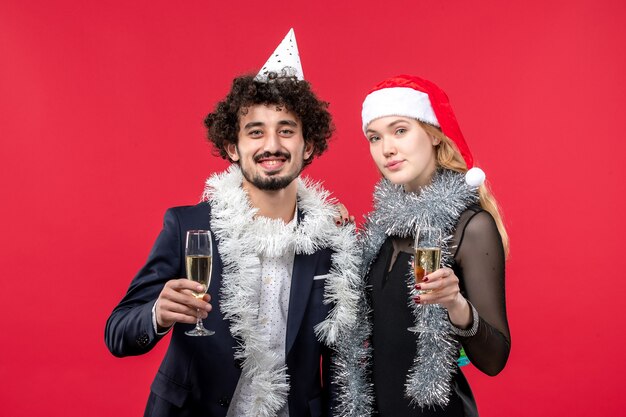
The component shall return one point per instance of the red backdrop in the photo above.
(101, 109)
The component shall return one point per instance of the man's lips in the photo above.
(271, 164)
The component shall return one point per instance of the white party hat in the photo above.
(285, 61)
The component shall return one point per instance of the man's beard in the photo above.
(272, 183)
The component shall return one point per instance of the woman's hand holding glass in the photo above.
(442, 287)
(439, 287)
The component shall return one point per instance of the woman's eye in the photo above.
(400, 131)
(373, 139)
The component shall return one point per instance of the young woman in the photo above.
(417, 145)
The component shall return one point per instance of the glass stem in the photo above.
(199, 325)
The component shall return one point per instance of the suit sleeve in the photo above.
(129, 329)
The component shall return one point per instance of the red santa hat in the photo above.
(411, 96)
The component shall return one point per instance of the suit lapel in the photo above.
(301, 283)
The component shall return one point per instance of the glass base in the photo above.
(417, 329)
(200, 332)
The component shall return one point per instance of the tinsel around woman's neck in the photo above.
(398, 213)
(442, 201)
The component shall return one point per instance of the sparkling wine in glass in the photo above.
(427, 260)
(198, 261)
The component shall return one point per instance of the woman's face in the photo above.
(402, 150)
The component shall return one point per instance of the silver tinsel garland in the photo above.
(353, 388)
(243, 237)
(398, 213)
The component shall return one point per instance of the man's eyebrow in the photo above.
(253, 124)
(280, 122)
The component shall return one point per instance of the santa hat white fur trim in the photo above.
(398, 101)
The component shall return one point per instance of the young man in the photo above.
(279, 265)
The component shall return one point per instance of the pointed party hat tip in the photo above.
(285, 61)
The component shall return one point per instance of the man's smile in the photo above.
(272, 163)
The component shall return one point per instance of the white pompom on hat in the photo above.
(411, 96)
(475, 177)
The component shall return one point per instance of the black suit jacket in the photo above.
(199, 374)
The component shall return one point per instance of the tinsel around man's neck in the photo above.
(243, 238)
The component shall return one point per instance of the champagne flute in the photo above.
(427, 260)
(198, 260)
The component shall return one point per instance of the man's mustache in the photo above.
(279, 154)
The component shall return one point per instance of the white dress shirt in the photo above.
(276, 275)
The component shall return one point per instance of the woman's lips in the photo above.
(393, 165)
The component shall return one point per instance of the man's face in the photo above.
(270, 148)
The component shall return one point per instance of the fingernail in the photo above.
(418, 287)
(338, 223)
(425, 279)
(416, 299)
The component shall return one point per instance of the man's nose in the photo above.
(271, 143)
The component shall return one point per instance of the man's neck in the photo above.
(280, 204)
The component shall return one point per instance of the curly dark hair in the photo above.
(288, 92)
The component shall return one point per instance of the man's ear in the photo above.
(308, 150)
(232, 151)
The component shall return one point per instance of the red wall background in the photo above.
(101, 109)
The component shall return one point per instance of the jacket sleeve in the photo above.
(129, 330)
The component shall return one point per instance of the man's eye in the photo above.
(255, 133)
(286, 132)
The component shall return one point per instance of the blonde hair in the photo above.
(449, 157)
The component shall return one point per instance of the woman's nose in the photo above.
(389, 147)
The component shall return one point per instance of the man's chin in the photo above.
(272, 183)
(269, 182)
(270, 174)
